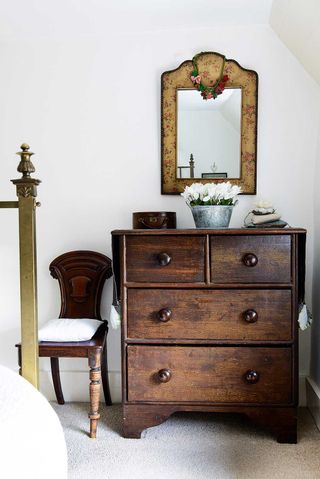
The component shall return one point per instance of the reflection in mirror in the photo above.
(208, 135)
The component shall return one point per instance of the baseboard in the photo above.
(302, 390)
(313, 400)
(75, 386)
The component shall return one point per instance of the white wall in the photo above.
(298, 28)
(90, 108)
(313, 382)
(315, 338)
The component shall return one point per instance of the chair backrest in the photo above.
(81, 276)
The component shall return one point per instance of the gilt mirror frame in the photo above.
(179, 79)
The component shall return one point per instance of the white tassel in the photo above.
(115, 318)
(305, 318)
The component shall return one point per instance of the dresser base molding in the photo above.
(280, 421)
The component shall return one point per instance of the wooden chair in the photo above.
(81, 276)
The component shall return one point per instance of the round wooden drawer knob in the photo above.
(164, 375)
(163, 259)
(164, 315)
(252, 376)
(251, 316)
(250, 260)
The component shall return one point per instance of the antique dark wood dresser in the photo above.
(209, 323)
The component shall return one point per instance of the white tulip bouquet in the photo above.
(199, 194)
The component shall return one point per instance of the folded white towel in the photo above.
(261, 219)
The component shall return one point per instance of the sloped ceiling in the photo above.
(296, 22)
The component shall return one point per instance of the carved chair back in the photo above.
(81, 276)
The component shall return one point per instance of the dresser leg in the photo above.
(137, 417)
(282, 422)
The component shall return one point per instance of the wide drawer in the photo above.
(209, 314)
(163, 259)
(209, 374)
(251, 259)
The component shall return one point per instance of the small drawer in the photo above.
(251, 259)
(209, 374)
(239, 315)
(161, 259)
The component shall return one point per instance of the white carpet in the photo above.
(186, 446)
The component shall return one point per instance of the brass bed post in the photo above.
(27, 192)
(26, 187)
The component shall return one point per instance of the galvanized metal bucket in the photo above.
(212, 216)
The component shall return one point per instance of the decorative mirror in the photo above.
(209, 124)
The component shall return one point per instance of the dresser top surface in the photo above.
(203, 231)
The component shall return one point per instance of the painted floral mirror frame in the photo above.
(180, 78)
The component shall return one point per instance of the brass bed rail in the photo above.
(26, 189)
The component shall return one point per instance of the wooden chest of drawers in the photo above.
(209, 323)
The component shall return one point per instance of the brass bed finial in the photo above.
(26, 185)
(25, 166)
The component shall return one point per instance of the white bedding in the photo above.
(32, 444)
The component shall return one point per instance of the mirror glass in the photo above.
(208, 135)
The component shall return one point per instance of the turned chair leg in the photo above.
(105, 376)
(55, 372)
(94, 389)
